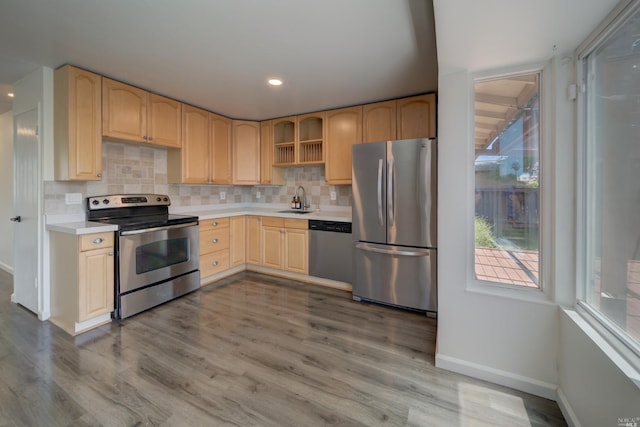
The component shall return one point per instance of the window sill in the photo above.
(521, 293)
(617, 352)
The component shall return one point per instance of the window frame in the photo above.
(623, 345)
(544, 293)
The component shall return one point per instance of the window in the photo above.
(507, 177)
(609, 180)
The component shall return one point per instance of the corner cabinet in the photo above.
(246, 152)
(343, 129)
(269, 174)
(82, 280)
(253, 240)
(219, 149)
(77, 125)
(190, 165)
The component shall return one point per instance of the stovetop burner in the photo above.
(134, 211)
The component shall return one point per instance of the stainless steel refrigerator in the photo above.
(394, 223)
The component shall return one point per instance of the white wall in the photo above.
(528, 344)
(6, 191)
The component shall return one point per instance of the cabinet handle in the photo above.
(150, 138)
(99, 175)
(215, 223)
(144, 137)
(215, 263)
(110, 254)
(98, 240)
(215, 240)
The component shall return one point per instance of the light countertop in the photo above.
(76, 226)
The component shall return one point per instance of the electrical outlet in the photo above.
(223, 195)
(333, 195)
(73, 198)
(258, 194)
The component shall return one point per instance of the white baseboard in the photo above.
(498, 376)
(569, 416)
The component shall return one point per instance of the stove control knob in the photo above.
(95, 202)
(105, 201)
(166, 199)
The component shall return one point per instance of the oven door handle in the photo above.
(151, 230)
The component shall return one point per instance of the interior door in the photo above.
(26, 196)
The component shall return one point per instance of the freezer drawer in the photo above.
(399, 276)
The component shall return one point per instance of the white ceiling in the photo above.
(219, 54)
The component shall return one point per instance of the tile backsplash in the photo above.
(131, 168)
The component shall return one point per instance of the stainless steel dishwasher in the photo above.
(331, 250)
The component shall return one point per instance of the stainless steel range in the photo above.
(157, 252)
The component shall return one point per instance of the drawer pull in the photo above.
(215, 223)
(98, 240)
(215, 240)
(215, 263)
(110, 253)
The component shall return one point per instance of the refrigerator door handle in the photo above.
(371, 248)
(380, 219)
(390, 195)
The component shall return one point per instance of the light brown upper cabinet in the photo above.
(284, 141)
(246, 152)
(269, 175)
(77, 124)
(310, 138)
(220, 149)
(416, 117)
(343, 128)
(133, 114)
(298, 140)
(405, 118)
(379, 121)
(190, 165)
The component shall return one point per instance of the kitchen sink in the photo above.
(294, 211)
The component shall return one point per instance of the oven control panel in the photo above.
(127, 200)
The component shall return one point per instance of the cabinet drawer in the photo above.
(214, 240)
(301, 224)
(270, 221)
(89, 242)
(214, 263)
(211, 224)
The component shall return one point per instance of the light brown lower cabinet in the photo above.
(284, 244)
(82, 280)
(222, 244)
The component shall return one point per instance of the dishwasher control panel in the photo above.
(335, 226)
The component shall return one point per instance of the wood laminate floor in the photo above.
(256, 351)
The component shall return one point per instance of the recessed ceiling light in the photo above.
(275, 82)
(10, 95)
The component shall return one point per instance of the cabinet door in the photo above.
(272, 247)
(253, 246)
(343, 129)
(379, 121)
(220, 156)
(164, 121)
(246, 152)
(77, 124)
(95, 287)
(296, 251)
(416, 117)
(195, 145)
(124, 111)
(236, 249)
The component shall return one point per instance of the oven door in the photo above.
(154, 255)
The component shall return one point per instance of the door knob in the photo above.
(16, 219)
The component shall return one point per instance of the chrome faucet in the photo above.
(305, 205)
